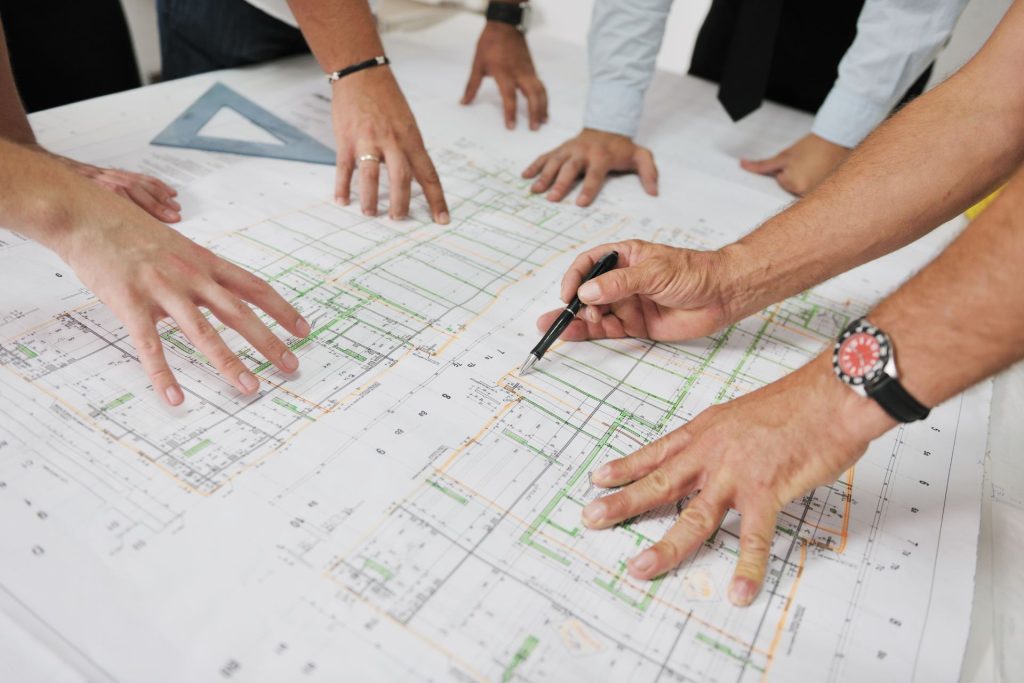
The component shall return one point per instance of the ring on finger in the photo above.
(368, 157)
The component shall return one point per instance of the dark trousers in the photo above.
(205, 35)
(812, 38)
(63, 51)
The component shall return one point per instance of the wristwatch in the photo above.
(864, 360)
(513, 13)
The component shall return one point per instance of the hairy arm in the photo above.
(938, 156)
(953, 324)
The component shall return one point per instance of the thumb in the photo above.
(618, 285)
(768, 166)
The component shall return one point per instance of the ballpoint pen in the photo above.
(603, 265)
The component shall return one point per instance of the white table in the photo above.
(689, 134)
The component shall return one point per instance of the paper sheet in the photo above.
(406, 507)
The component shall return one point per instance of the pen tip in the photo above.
(527, 365)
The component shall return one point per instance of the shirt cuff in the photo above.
(614, 108)
(846, 118)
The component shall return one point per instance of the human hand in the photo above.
(371, 117)
(655, 292)
(593, 154)
(803, 165)
(145, 271)
(152, 194)
(753, 454)
(502, 53)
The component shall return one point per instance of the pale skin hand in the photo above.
(802, 166)
(502, 54)
(150, 193)
(753, 454)
(655, 292)
(592, 154)
(143, 270)
(371, 115)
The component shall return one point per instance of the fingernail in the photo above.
(589, 290)
(175, 205)
(341, 201)
(169, 215)
(593, 513)
(174, 395)
(248, 381)
(289, 362)
(592, 314)
(509, 125)
(742, 591)
(602, 473)
(443, 218)
(302, 327)
(369, 212)
(644, 562)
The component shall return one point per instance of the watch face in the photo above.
(861, 354)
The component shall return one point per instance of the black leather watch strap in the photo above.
(506, 13)
(895, 400)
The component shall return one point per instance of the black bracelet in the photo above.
(368, 64)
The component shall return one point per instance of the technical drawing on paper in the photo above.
(407, 507)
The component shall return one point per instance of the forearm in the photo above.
(623, 44)
(340, 33)
(14, 123)
(934, 159)
(959, 320)
(43, 199)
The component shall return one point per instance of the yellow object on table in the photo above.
(976, 210)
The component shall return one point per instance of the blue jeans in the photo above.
(205, 35)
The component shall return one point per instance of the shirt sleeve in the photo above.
(625, 36)
(896, 41)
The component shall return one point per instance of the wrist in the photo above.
(744, 275)
(607, 134)
(857, 418)
(380, 76)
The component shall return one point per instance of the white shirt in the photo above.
(896, 41)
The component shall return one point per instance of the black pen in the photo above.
(603, 265)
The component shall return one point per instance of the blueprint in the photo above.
(406, 507)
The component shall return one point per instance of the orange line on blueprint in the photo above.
(52, 320)
(427, 640)
(594, 563)
(785, 611)
(459, 246)
(98, 429)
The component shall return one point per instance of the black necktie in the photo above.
(745, 75)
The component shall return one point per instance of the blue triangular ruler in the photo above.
(295, 145)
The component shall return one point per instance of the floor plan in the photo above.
(407, 507)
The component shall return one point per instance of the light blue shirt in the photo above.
(896, 41)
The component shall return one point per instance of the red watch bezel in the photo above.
(861, 329)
